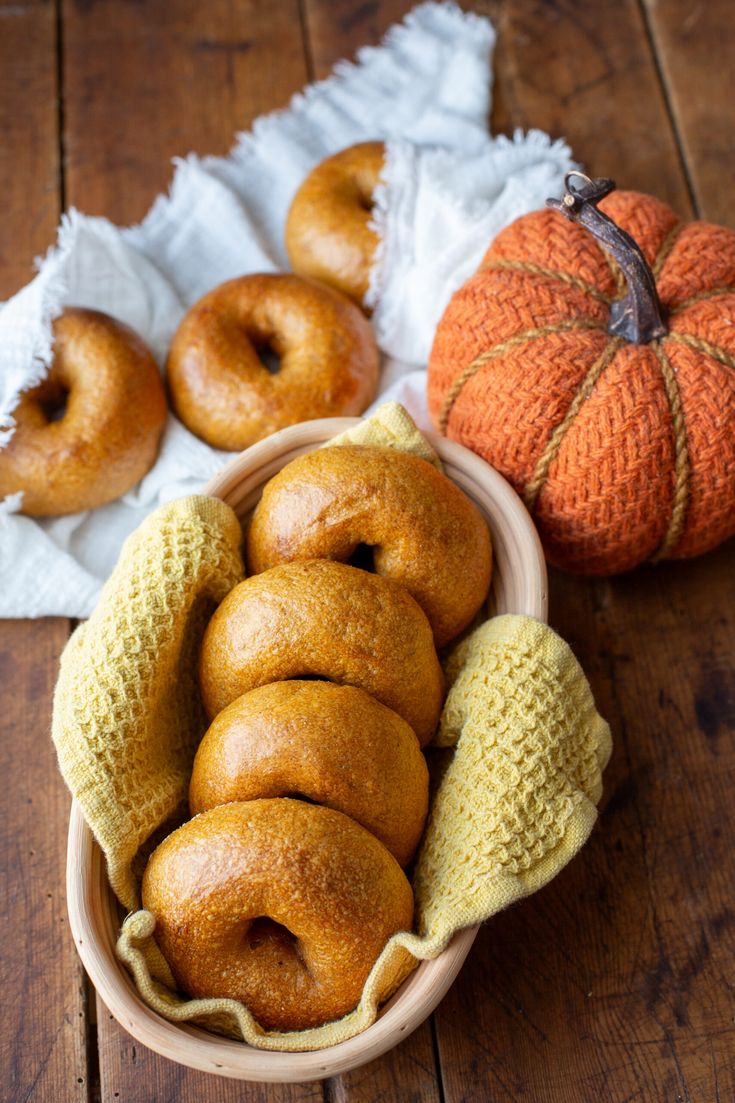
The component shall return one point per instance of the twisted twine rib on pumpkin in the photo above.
(665, 248)
(551, 273)
(498, 350)
(553, 444)
(682, 460)
(702, 297)
(707, 347)
(682, 465)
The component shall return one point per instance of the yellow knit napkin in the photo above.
(127, 712)
(515, 803)
(391, 426)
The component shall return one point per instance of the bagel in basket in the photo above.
(332, 745)
(326, 620)
(282, 905)
(421, 529)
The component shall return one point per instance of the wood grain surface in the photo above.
(616, 982)
(43, 1040)
(694, 47)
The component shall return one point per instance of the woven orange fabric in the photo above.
(622, 452)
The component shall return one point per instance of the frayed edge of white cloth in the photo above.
(505, 156)
(379, 224)
(52, 297)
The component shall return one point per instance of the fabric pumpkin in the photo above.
(622, 451)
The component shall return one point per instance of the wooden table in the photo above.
(616, 982)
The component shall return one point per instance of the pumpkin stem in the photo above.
(638, 317)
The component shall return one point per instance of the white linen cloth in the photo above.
(448, 187)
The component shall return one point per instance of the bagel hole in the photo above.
(54, 402)
(296, 795)
(363, 557)
(264, 930)
(365, 199)
(269, 358)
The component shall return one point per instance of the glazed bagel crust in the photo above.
(221, 389)
(424, 532)
(329, 620)
(328, 232)
(105, 380)
(333, 744)
(331, 884)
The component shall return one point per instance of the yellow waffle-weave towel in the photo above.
(516, 802)
(127, 711)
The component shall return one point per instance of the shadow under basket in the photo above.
(518, 586)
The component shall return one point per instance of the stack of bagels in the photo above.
(321, 679)
(254, 355)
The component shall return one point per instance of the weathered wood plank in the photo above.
(584, 72)
(134, 1074)
(696, 46)
(43, 1040)
(407, 1073)
(338, 28)
(42, 1045)
(144, 83)
(29, 161)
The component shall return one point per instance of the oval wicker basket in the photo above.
(519, 586)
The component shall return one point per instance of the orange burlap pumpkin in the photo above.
(622, 452)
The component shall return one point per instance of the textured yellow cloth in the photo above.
(390, 427)
(515, 803)
(127, 712)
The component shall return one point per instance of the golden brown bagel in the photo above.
(226, 395)
(334, 745)
(91, 429)
(329, 620)
(328, 233)
(282, 905)
(422, 530)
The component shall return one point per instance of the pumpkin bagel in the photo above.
(282, 905)
(334, 745)
(329, 620)
(89, 431)
(328, 231)
(422, 530)
(226, 395)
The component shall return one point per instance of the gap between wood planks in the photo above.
(61, 135)
(669, 106)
